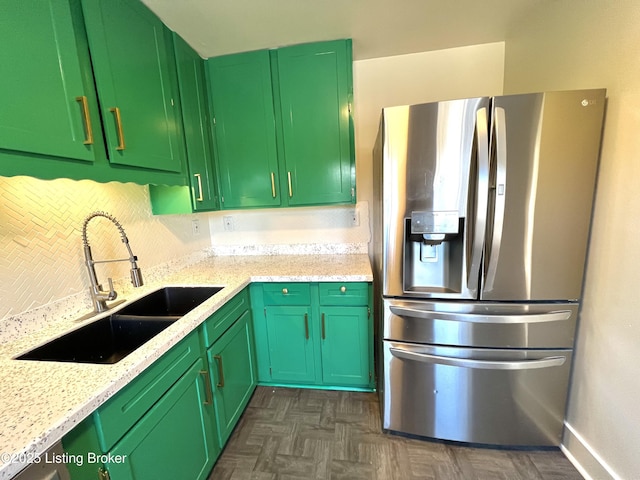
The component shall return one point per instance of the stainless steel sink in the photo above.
(110, 339)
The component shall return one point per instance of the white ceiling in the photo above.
(379, 28)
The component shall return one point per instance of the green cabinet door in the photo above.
(195, 117)
(48, 104)
(291, 344)
(174, 439)
(131, 52)
(345, 339)
(233, 373)
(245, 137)
(314, 84)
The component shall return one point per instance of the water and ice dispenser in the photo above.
(434, 254)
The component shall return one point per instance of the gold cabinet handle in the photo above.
(209, 390)
(306, 326)
(285, 291)
(273, 185)
(324, 336)
(87, 120)
(116, 113)
(343, 289)
(103, 474)
(218, 359)
(289, 181)
(199, 178)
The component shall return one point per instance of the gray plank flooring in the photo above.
(287, 434)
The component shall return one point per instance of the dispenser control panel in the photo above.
(434, 222)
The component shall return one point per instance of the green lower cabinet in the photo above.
(345, 346)
(172, 420)
(161, 425)
(291, 344)
(173, 440)
(317, 335)
(233, 374)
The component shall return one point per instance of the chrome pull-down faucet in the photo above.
(99, 296)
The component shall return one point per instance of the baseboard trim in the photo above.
(315, 387)
(586, 460)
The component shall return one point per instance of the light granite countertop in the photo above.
(42, 401)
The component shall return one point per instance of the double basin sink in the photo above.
(110, 339)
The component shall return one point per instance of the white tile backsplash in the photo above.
(42, 259)
(42, 272)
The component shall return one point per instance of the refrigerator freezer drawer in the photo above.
(548, 325)
(486, 396)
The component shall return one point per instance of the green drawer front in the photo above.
(287, 293)
(120, 413)
(345, 293)
(221, 320)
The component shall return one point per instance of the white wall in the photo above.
(417, 78)
(566, 45)
(379, 82)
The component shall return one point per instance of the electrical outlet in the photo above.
(227, 220)
(355, 218)
(195, 226)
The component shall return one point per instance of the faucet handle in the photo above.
(112, 293)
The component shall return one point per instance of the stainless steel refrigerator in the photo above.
(482, 211)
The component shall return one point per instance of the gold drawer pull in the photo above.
(289, 181)
(285, 291)
(209, 391)
(116, 112)
(199, 198)
(87, 120)
(218, 359)
(343, 289)
(273, 185)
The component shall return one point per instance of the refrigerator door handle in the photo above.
(546, 362)
(499, 184)
(552, 316)
(482, 198)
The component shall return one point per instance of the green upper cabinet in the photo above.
(195, 118)
(282, 128)
(59, 57)
(132, 57)
(245, 135)
(48, 102)
(315, 89)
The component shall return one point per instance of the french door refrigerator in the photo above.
(482, 211)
